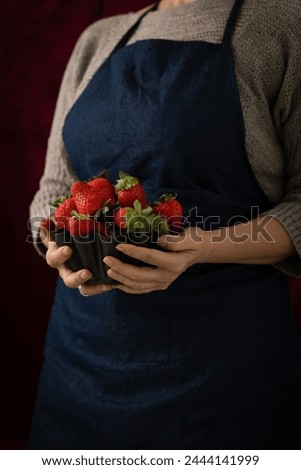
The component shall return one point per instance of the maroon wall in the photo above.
(36, 41)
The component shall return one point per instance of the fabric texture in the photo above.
(266, 53)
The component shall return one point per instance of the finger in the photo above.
(74, 279)
(47, 224)
(95, 290)
(45, 227)
(56, 256)
(139, 278)
(128, 271)
(139, 284)
(179, 242)
(171, 242)
(187, 240)
(149, 256)
(129, 290)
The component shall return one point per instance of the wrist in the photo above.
(204, 246)
(199, 247)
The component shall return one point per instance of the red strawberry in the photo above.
(120, 218)
(129, 189)
(138, 220)
(63, 211)
(171, 209)
(80, 224)
(105, 190)
(86, 198)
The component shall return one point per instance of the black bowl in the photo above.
(88, 251)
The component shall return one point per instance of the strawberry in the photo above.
(80, 224)
(64, 206)
(129, 189)
(138, 220)
(86, 198)
(120, 217)
(171, 209)
(105, 190)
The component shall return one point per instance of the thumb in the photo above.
(172, 242)
(45, 227)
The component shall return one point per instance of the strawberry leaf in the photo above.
(102, 174)
(164, 198)
(81, 216)
(125, 181)
(60, 200)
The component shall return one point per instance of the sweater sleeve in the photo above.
(58, 175)
(287, 118)
(91, 49)
(288, 211)
(267, 56)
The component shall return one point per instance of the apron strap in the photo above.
(123, 41)
(231, 21)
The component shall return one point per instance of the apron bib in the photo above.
(211, 363)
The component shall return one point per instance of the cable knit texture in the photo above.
(267, 55)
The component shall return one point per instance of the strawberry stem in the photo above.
(60, 200)
(103, 174)
(165, 197)
(81, 216)
(125, 181)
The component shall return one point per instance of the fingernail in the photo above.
(107, 261)
(119, 247)
(66, 250)
(84, 275)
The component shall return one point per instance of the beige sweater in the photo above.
(267, 53)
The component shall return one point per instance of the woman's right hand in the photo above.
(56, 257)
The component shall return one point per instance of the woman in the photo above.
(198, 349)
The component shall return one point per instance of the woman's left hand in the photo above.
(164, 266)
(234, 244)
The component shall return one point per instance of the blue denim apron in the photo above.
(211, 363)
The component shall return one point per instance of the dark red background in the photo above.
(36, 41)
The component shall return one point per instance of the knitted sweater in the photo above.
(267, 56)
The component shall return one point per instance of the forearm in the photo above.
(260, 241)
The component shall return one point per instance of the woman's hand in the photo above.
(56, 257)
(164, 266)
(260, 241)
